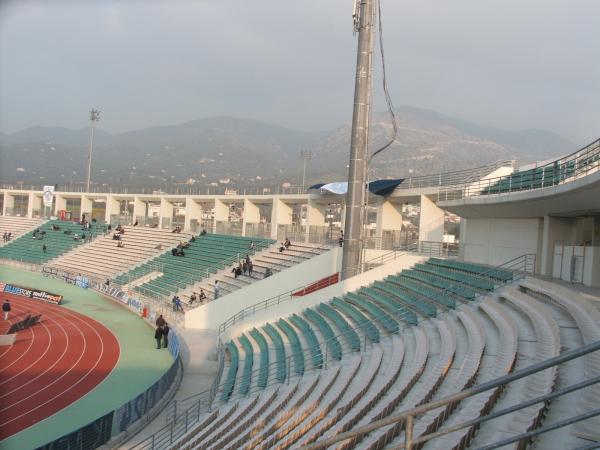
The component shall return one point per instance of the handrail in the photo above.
(195, 402)
(561, 170)
(454, 177)
(407, 416)
(285, 296)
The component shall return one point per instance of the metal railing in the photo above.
(168, 189)
(184, 414)
(563, 170)
(407, 418)
(453, 178)
(288, 295)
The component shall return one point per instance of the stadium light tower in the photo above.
(363, 18)
(306, 155)
(94, 117)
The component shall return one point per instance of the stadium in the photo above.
(310, 317)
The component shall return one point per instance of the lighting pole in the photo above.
(94, 117)
(357, 178)
(306, 155)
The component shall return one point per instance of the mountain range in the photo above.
(243, 153)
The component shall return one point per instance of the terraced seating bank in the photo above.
(205, 256)
(388, 348)
(17, 226)
(57, 242)
(533, 178)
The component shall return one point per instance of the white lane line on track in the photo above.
(33, 334)
(88, 324)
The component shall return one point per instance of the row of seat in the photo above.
(533, 178)
(49, 243)
(203, 257)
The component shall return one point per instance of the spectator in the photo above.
(83, 236)
(55, 227)
(192, 298)
(250, 269)
(178, 305)
(193, 239)
(202, 295)
(217, 289)
(165, 330)
(281, 248)
(107, 282)
(120, 244)
(341, 239)
(6, 308)
(44, 248)
(160, 321)
(252, 247)
(174, 302)
(203, 232)
(135, 224)
(287, 243)
(158, 335)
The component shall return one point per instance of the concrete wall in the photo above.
(294, 306)
(495, 241)
(211, 315)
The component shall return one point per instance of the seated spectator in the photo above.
(55, 227)
(185, 245)
(174, 251)
(202, 295)
(192, 298)
(281, 248)
(287, 243)
(120, 244)
(135, 224)
(193, 239)
(203, 232)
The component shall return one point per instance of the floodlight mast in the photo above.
(355, 198)
(306, 155)
(94, 117)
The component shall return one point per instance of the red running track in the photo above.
(51, 364)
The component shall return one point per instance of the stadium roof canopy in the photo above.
(377, 187)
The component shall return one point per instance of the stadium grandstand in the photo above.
(489, 342)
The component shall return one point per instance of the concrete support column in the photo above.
(389, 217)
(9, 203)
(30, 201)
(281, 214)
(139, 208)
(112, 208)
(35, 203)
(554, 229)
(165, 212)
(87, 205)
(193, 210)
(251, 214)
(431, 222)
(221, 213)
(316, 216)
(60, 204)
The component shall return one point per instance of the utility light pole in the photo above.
(306, 155)
(94, 117)
(357, 174)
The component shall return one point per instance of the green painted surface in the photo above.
(139, 366)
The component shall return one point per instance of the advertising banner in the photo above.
(35, 294)
(48, 195)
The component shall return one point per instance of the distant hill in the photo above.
(239, 150)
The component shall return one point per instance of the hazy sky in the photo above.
(508, 63)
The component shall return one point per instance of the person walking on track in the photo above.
(6, 309)
(158, 335)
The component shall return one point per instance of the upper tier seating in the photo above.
(539, 177)
(205, 256)
(478, 340)
(102, 258)
(28, 249)
(17, 226)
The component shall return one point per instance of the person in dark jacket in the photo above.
(158, 335)
(6, 309)
(165, 330)
(160, 321)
